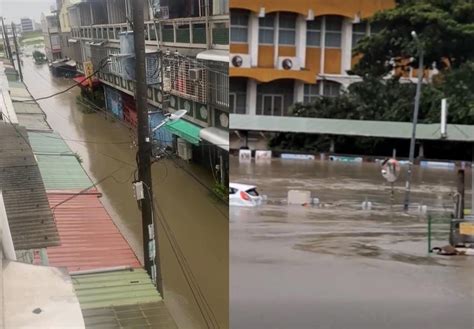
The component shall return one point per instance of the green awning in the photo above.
(185, 130)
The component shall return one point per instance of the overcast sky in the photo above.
(16, 9)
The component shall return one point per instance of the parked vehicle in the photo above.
(244, 195)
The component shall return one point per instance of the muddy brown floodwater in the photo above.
(338, 266)
(198, 222)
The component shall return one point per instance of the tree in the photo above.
(445, 28)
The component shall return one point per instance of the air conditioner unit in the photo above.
(184, 150)
(288, 63)
(195, 74)
(240, 60)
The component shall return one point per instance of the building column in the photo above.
(251, 97)
(346, 51)
(332, 145)
(253, 39)
(298, 91)
(301, 40)
(421, 151)
(276, 34)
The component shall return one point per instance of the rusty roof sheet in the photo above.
(29, 216)
(89, 237)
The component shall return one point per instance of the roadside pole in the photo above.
(411, 160)
(144, 148)
(7, 41)
(17, 52)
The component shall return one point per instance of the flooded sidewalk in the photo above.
(338, 266)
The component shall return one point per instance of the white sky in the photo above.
(13, 10)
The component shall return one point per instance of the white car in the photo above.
(244, 195)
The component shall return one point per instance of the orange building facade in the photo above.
(283, 52)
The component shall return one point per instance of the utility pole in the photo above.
(5, 35)
(144, 147)
(415, 121)
(17, 51)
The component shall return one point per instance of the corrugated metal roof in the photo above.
(48, 143)
(386, 129)
(89, 237)
(62, 172)
(149, 315)
(29, 216)
(117, 288)
(27, 108)
(33, 122)
(18, 91)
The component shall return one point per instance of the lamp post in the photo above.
(415, 120)
(170, 118)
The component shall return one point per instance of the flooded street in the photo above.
(338, 266)
(197, 222)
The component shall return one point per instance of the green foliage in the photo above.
(221, 191)
(445, 29)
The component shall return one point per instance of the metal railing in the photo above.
(182, 32)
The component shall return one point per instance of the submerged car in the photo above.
(244, 195)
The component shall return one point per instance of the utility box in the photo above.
(185, 151)
(299, 197)
(462, 233)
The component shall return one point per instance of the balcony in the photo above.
(191, 32)
(182, 32)
(111, 32)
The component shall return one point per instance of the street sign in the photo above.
(88, 72)
(466, 228)
(390, 170)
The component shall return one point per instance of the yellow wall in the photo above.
(265, 56)
(287, 51)
(270, 74)
(313, 59)
(237, 48)
(348, 8)
(332, 61)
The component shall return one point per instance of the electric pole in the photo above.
(411, 160)
(15, 43)
(7, 41)
(150, 252)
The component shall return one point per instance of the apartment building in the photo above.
(284, 52)
(52, 41)
(191, 37)
(27, 24)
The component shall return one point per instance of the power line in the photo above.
(34, 100)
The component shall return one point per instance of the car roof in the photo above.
(242, 186)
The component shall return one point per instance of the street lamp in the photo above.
(170, 118)
(415, 120)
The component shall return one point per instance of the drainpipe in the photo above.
(208, 28)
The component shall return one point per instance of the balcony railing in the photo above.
(111, 32)
(183, 32)
(191, 32)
